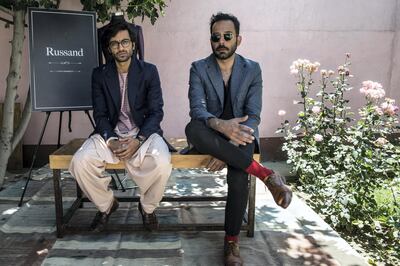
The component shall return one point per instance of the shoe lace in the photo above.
(233, 248)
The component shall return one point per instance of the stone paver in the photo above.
(295, 236)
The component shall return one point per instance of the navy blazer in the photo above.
(206, 90)
(144, 96)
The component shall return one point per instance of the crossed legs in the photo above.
(208, 141)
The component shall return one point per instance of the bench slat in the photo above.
(62, 157)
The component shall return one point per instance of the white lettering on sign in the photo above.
(55, 52)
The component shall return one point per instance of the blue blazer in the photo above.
(144, 96)
(206, 90)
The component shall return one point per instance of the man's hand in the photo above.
(215, 165)
(127, 148)
(114, 145)
(238, 133)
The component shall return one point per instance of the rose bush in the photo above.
(345, 164)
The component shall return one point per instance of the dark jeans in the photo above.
(209, 141)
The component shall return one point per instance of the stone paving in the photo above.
(295, 236)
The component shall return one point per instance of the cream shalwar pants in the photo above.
(150, 168)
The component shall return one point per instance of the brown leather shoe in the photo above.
(281, 193)
(232, 254)
(150, 221)
(101, 219)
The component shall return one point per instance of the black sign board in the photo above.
(63, 53)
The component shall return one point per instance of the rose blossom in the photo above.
(304, 64)
(381, 141)
(378, 110)
(372, 90)
(312, 67)
(388, 107)
(318, 137)
(316, 109)
(294, 71)
(281, 112)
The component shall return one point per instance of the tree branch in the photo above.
(7, 21)
(26, 116)
(11, 22)
(6, 10)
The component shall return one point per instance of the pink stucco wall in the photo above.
(274, 33)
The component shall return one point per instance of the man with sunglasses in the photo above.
(127, 108)
(225, 93)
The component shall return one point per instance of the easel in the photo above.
(48, 113)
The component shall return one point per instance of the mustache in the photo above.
(222, 47)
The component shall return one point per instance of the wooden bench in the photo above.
(61, 158)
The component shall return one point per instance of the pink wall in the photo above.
(274, 33)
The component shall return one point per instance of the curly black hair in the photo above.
(224, 16)
(114, 29)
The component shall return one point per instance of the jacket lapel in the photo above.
(238, 72)
(134, 79)
(112, 81)
(214, 73)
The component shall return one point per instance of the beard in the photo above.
(123, 56)
(223, 52)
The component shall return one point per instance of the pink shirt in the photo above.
(125, 123)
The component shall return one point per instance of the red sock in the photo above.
(258, 170)
(232, 238)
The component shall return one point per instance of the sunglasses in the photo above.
(215, 37)
(124, 43)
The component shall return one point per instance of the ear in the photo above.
(239, 40)
(133, 46)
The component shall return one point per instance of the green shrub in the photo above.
(349, 167)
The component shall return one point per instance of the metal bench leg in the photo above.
(119, 180)
(252, 206)
(79, 194)
(58, 202)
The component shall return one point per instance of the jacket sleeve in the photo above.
(155, 105)
(253, 103)
(100, 110)
(197, 97)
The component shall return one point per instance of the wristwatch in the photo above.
(141, 139)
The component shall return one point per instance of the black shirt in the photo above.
(228, 111)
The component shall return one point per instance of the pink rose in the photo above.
(388, 107)
(318, 137)
(316, 109)
(372, 90)
(378, 110)
(381, 141)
